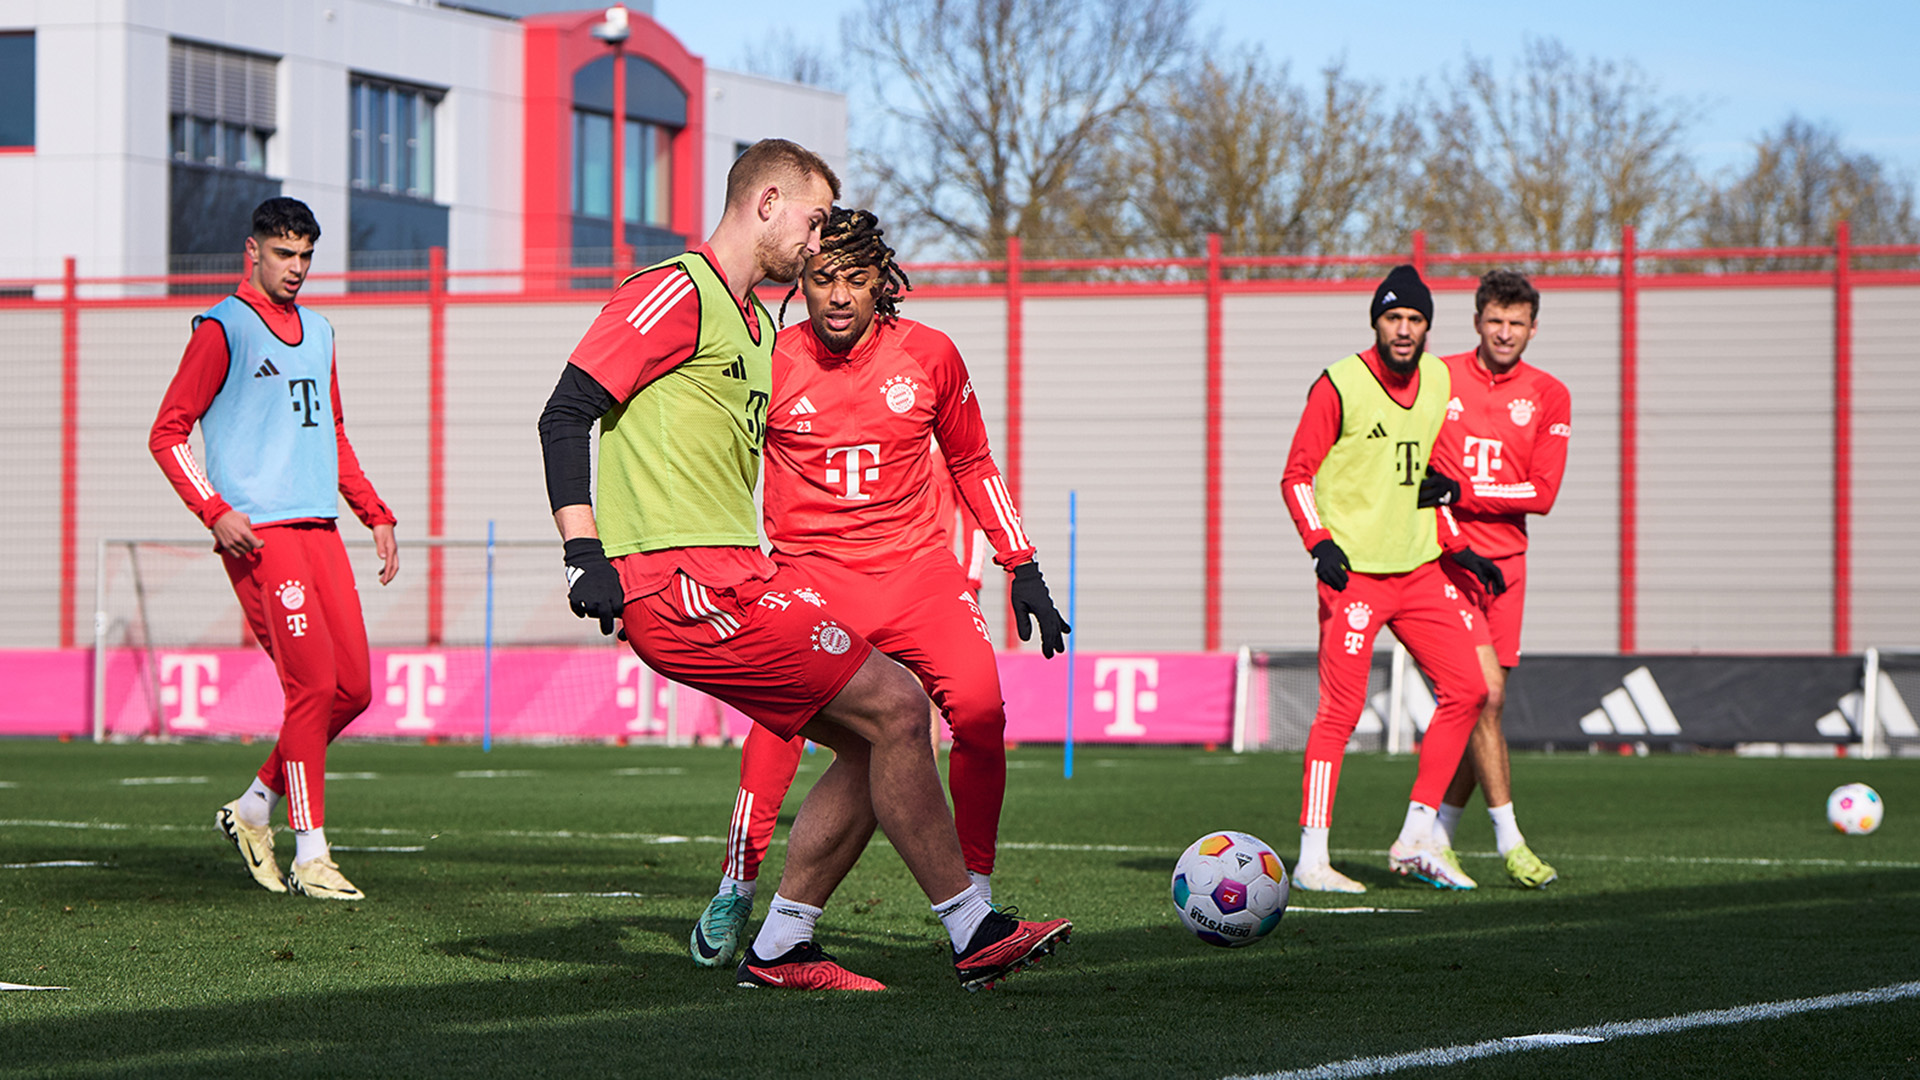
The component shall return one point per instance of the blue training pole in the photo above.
(1073, 616)
(486, 684)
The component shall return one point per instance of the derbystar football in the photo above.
(1855, 809)
(1231, 889)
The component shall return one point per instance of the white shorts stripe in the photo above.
(699, 605)
(1303, 498)
(183, 456)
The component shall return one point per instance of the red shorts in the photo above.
(1500, 614)
(768, 648)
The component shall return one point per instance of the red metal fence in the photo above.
(1016, 279)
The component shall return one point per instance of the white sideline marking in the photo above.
(622, 894)
(133, 781)
(1455, 1055)
(56, 862)
(24, 986)
(8, 783)
(1361, 910)
(675, 771)
(344, 847)
(353, 776)
(1149, 849)
(493, 774)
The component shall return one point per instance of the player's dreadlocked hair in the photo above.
(855, 238)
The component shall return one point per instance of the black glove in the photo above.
(1483, 568)
(593, 585)
(1331, 564)
(1439, 489)
(1031, 601)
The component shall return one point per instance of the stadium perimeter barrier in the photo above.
(1163, 390)
(1811, 705)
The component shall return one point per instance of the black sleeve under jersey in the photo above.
(566, 436)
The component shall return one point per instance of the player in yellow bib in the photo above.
(1352, 483)
(677, 370)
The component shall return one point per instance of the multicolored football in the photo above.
(1231, 889)
(1855, 809)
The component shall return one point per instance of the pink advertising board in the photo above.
(572, 693)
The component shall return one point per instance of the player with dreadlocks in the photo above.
(852, 503)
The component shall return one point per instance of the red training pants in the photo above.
(304, 608)
(1442, 632)
(923, 615)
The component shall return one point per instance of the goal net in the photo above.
(1280, 689)
(473, 639)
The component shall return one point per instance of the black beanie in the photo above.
(1402, 288)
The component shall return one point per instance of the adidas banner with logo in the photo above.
(1708, 700)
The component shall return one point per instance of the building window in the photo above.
(392, 137)
(646, 179)
(222, 106)
(16, 91)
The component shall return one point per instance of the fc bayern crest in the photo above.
(1358, 615)
(899, 392)
(1521, 411)
(829, 638)
(292, 596)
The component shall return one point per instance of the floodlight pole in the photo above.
(614, 31)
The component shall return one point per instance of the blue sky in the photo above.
(1747, 65)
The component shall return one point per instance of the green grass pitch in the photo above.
(1687, 883)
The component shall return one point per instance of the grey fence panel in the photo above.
(30, 485)
(1736, 470)
(1886, 468)
(1115, 407)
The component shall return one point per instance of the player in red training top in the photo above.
(677, 374)
(1506, 433)
(268, 494)
(854, 505)
(1352, 483)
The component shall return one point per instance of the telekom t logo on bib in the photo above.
(850, 471)
(189, 680)
(1126, 686)
(407, 686)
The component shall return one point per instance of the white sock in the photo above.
(1419, 824)
(962, 915)
(1445, 820)
(983, 885)
(1506, 832)
(788, 923)
(735, 885)
(309, 845)
(257, 804)
(1313, 849)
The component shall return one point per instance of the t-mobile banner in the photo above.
(1120, 697)
(608, 693)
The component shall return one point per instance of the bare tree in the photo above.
(784, 56)
(994, 110)
(1801, 184)
(1558, 156)
(1243, 151)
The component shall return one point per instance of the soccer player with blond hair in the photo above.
(859, 503)
(677, 371)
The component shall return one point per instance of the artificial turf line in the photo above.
(1455, 1055)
